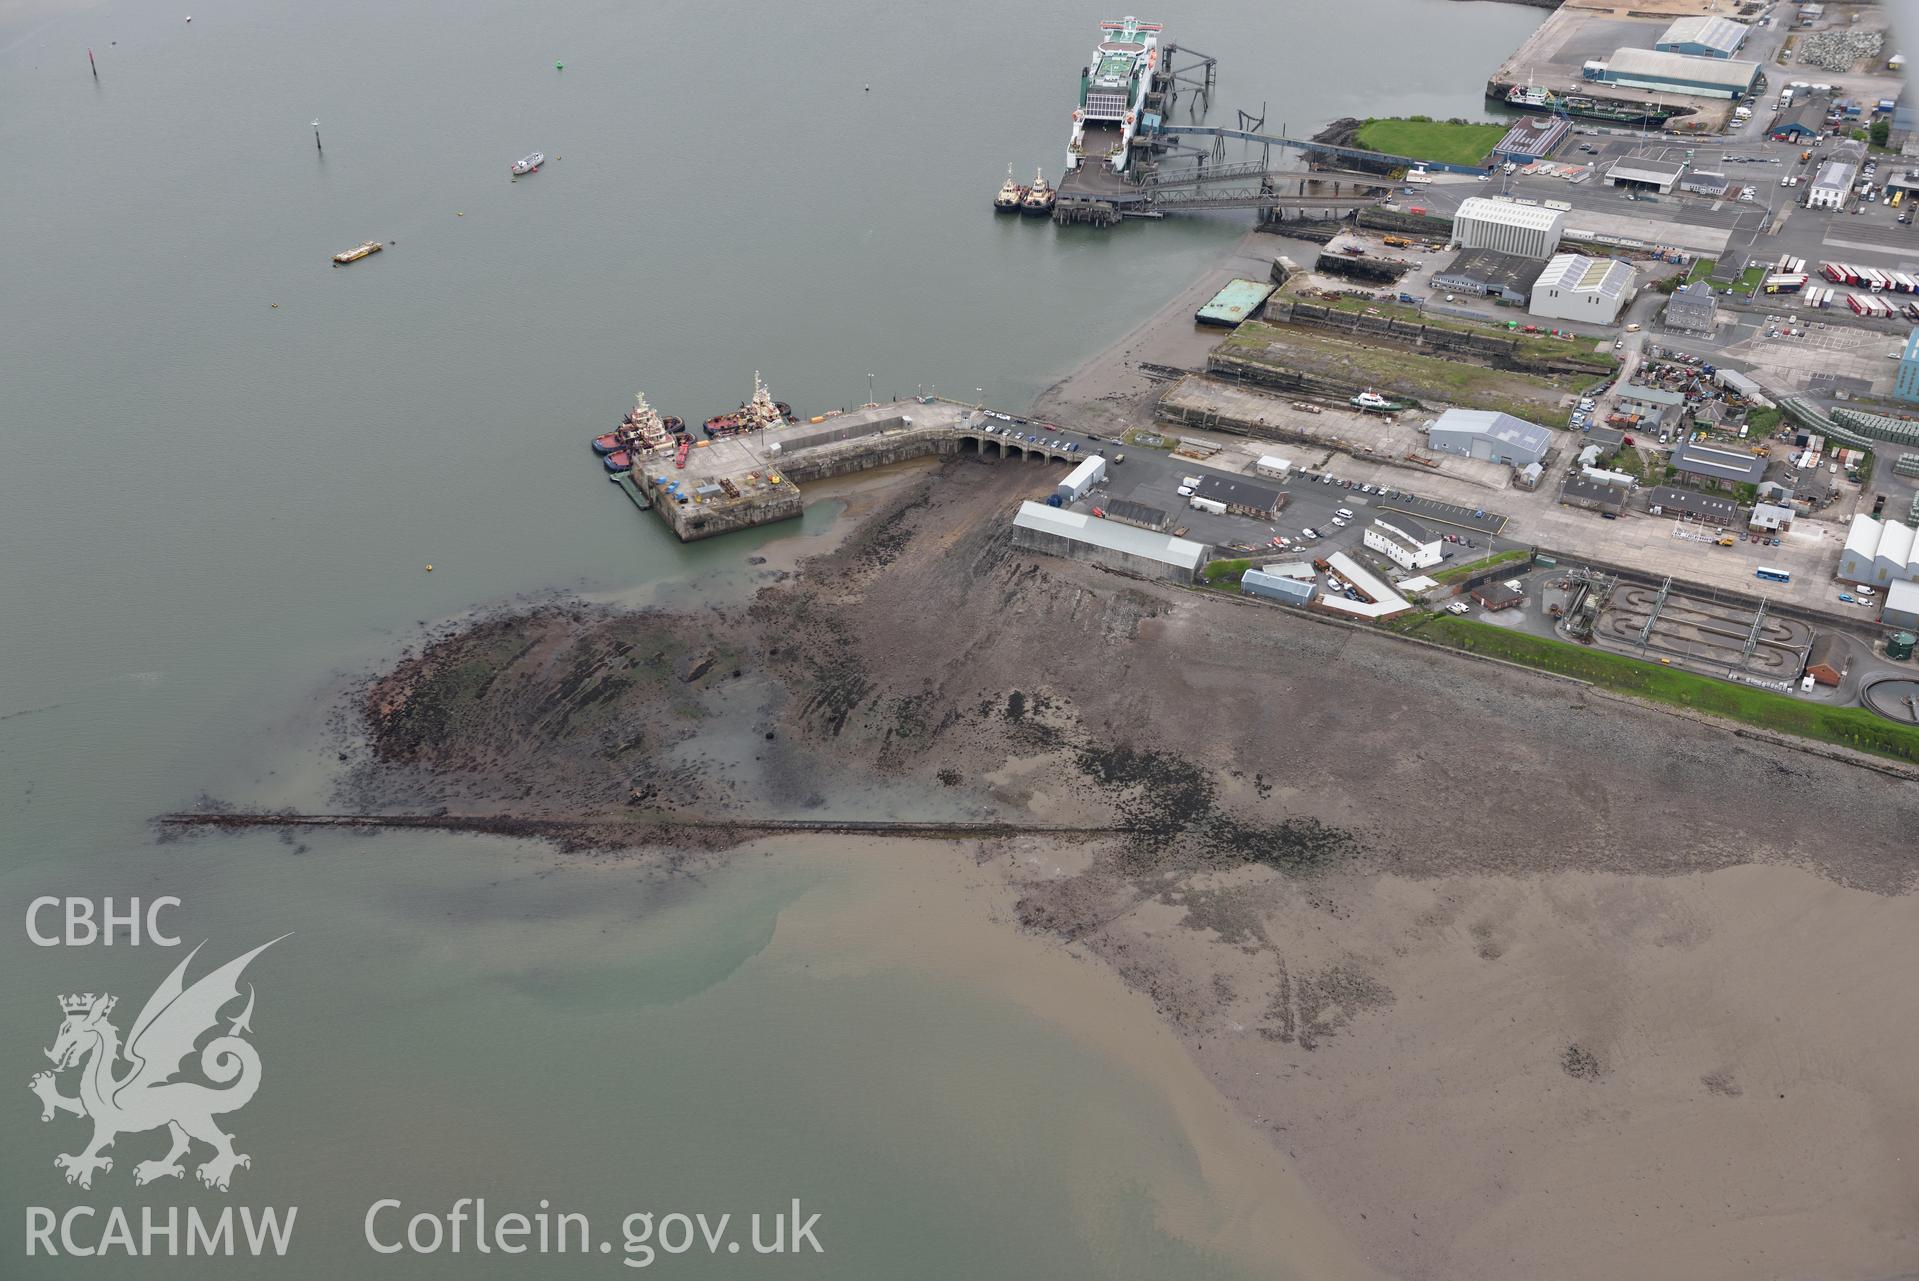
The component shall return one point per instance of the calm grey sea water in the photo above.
(226, 465)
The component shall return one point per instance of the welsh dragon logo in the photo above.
(144, 1095)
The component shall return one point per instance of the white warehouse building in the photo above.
(1701, 36)
(1879, 551)
(1575, 287)
(1488, 434)
(1530, 231)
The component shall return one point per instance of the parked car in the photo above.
(1185, 491)
(1309, 532)
(1458, 607)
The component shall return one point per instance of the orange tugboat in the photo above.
(1011, 195)
(1040, 198)
(757, 414)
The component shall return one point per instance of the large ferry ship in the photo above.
(1112, 94)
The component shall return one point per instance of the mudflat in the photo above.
(1522, 981)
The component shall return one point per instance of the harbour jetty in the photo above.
(755, 478)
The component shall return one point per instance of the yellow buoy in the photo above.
(429, 569)
(461, 214)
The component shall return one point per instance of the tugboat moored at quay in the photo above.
(1011, 195)
(1041, 198)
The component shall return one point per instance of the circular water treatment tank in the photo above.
(1900, 645)
(1894, 697)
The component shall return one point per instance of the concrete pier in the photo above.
(739, 482)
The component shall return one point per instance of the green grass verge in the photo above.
(1396, 373)
(1454, 573)
(1221, 572)
(1750, 279)
(1454, 144)
(1539, 347)
(1846, 726)
(1701, 268)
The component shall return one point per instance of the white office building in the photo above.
(1833, 185)
(1575, 287)
(1530, 231)
(1403, 540)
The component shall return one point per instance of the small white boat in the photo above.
(529, 164)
